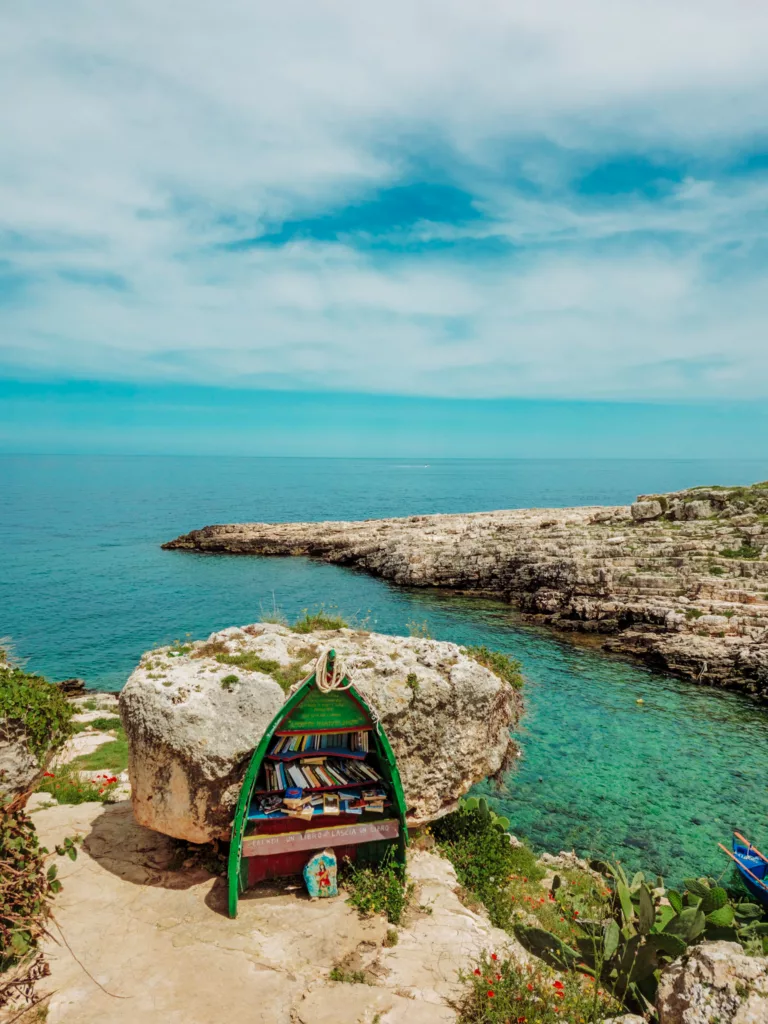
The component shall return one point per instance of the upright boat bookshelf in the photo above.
(349, 780)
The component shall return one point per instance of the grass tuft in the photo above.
(321, 619)
(500, 664)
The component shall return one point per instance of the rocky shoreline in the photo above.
(679, 580)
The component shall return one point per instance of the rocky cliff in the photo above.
(680, 579)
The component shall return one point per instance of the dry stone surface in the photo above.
(680, 580)
(149, 941)
(715, 983)
(191, 732)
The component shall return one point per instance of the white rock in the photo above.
(715, 981)
(190, 738)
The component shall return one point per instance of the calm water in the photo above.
(85, 588)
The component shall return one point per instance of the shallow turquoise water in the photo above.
(85, 588)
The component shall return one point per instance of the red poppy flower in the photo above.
(521, 1020)
(490, 993)
(494, 957)
(48, 775)
(575, 913)
(559, 984)
(498, 977)
(476, 971)
(529, 986)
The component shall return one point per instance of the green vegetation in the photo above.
(412, 682)
(418, 629)
(65, 785)
(383, 889)
(627, 949)
(288, 675)
(349, 977)
(99, 724)
(40, 707)
(250, 661)
(26, 886)
(501, 991)
(321, 619)
(746, 551)
(693, 613)
(609, 937)
(716, 570)
(501, 664)
(392, 938)
(228, 682)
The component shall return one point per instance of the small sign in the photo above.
(317, 838)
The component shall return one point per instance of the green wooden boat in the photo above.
(274, 843)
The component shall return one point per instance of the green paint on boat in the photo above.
(311, 710)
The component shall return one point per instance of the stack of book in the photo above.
(317, 773)
(296, 803)
(354, 742)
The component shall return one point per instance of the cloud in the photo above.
(420, 198)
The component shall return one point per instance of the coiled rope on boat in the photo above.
(330, 678)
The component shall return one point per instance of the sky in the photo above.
(545, 218)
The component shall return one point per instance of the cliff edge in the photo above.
(680, 579)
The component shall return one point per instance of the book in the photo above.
(293, 796)
(330, 803)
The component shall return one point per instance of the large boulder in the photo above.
(192, 725)
(714, 982)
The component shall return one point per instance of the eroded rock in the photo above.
(714, 982)
(692, 564)
(191, 728)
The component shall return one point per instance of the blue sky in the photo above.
(559, 208)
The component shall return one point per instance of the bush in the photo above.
(65, 785)
(26, 886)
(40, 707)
(484, 859)
(500, 664)
(378, 890)
(310, 621)
(501, 991)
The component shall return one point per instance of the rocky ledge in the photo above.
(680, 580)
(194, 714)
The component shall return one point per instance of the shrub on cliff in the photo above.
(26, 886)
(39, 707)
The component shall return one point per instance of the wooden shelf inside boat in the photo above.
(322, 789)
(317, 812)
(294, 755)
(322, 732)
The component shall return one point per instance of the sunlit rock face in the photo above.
(680, 580)
(192, 729)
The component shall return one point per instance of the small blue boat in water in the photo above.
(752, 867)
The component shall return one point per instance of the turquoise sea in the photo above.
(85, 589)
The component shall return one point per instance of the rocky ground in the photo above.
(680, 580)
(139, 937)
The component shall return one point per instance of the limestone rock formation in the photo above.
(192, 727)
(715, 981)
(680, 579)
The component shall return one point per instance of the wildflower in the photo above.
(559, 985)
(521, 1020)
(529, 986)
(494, 957)
(476, 970)
(490, 993)
(48, 775)
(498, 977)
(575, 913)
(562, 918)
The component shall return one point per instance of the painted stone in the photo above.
(320, 875)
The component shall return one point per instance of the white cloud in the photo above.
(142, 136)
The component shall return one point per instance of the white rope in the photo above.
(322, 680)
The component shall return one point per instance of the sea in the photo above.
(85, 589)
